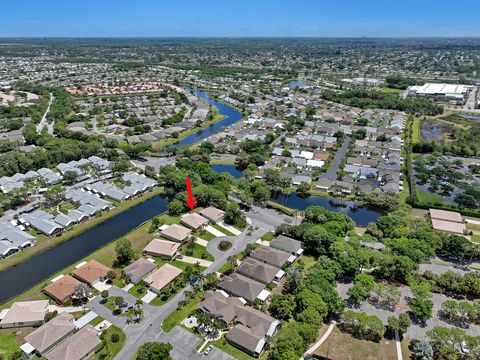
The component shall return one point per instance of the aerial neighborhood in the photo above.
(238, 198)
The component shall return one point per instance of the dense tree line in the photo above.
(401, 83)
(371, 99)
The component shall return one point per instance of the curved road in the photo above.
(150, 329)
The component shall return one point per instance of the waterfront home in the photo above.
(24, 313)
(91, 272)
(62, 289)
(289, 245)
(272, 256)
(176, 232)
(162, 248)
(78, 346)
(213, 214)
(139, 269)
(244, 287)
(13, 239)
(259, 271)
(47, 336)
(194, 221)
(162, 277)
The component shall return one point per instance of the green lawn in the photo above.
(118, 283)
(110, 305)
(223, 345)
(476, 239)
(416, 130)
(199, 252)
(179, 264)
(96, 321)
(204, 234)
(110, 349)
(223, 230)
(224, 268)
(8, 342)
(177, 316)
(169, 220)
(138, 291)
(268, 236)
(473, 227)
(428, 198)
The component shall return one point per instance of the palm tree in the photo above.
(232, 260)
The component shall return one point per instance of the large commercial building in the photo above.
(455, 92)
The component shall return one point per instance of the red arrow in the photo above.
(191, 200)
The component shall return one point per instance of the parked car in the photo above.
(208, 350)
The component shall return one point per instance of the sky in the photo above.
(239, 18)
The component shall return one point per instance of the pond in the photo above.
(362, 215)
(297, 84)
(432, 130)
(39, 267)
(231, 169)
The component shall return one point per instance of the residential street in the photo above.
(331, 174)
(183, 342)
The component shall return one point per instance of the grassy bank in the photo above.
(43, 243)
(139, 238)
(158, 145)
(222, 162)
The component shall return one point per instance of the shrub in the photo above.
(224, 245)
(115, 338)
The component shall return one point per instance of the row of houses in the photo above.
(58, 339)
(13, 238)
(249, 328)
(48, 177)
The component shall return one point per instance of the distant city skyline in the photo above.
(240, 18)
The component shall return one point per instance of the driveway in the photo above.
(331, 174)
(183, 342)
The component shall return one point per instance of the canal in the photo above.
(39, 267)
(231, 114)
(33, 271)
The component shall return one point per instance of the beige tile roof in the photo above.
(159, 247)
(176, 232)
(446, 215)
(449, 226)
(91, 271)
(162, 277)
(194, 221)
(47, 335)
(26, 311)
(212, 213)
(77, 346)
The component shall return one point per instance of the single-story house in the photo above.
(162, 277)
(220, 305)
(194, 221)
(242, 286)
(259, 271)
(162, 248)
(91, 272)
(176, 232)
(78, 346)
(62, 289)
(449, 226)
(139, 269)
(213, 214)
(24, 313)
(272, 256)
(52, 333)
(446, 215)
(243, 338)
(288, 245)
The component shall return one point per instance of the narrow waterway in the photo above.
(33, 271)
(231, 114)
(39, 267)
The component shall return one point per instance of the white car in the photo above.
(208, 350)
